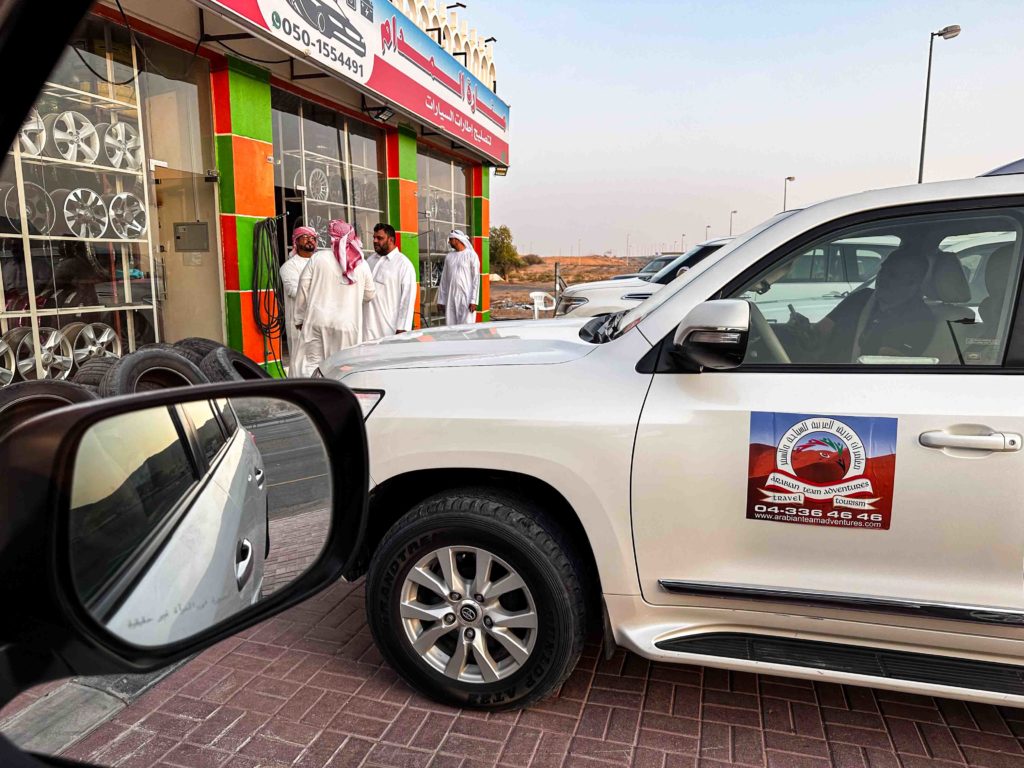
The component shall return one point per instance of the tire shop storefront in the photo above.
(134, 204)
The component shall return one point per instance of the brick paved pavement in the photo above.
(308, 689)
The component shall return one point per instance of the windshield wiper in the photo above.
(601, 329)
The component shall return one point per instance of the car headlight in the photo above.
(368, 399)
(567, 303)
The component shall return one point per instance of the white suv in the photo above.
(830, 494)
(603, 297)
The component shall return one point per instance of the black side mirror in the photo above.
(143, 529)
(712, 335)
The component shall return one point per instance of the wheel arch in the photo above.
(395, 496)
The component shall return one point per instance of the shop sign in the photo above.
(371, 43)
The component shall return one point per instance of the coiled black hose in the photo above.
(267, 290)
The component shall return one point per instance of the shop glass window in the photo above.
(443, 204)
(941, 295)
(328, 166)
(131, 472)
(76, 234)
(211, 439)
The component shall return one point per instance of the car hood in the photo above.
(631, 282)
(526, 342)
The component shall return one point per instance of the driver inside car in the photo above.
(890, 320)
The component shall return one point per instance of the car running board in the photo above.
(855, 660)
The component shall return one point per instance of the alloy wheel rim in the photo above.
(468, 614)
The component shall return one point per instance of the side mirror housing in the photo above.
(681, 271)
(712, 335)
(143, 529)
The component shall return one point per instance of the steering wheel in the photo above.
(763, 329)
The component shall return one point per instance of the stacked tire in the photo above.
(151, 367)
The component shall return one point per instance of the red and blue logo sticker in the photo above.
(836, 471)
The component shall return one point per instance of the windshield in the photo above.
(644, 308)
(689, 259)
(654, 265)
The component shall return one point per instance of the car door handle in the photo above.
(996, 441)
(259, 477)
(243, 563)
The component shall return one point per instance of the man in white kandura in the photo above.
(458, 293)
(304, 243)
(394, 279)
(332, 290)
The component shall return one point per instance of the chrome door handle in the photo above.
(996, 441)
(259, 477)
(243, 562)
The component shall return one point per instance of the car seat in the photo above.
(984, 342)
(947, 293)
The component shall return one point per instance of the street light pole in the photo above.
(682, 242)
(946, 33)
(785, 185)
(707, 231)
(731, 214)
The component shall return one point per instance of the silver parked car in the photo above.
(169, 509)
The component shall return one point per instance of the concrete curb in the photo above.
(60, 718)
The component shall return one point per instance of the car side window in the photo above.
(208, 430)
(912, 300)
(130, 473)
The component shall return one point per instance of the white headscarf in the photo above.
(459, 235)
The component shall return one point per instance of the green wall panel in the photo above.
(226, 167)
(245, 226)
(485, 178)
(395, 203)
(485, 255)
(411, 248)
(250, 101)
(407, 154)
(233, 308)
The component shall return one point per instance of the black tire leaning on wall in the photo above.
(225, 364)
(195, 348)
(147, 370)
(20, 402)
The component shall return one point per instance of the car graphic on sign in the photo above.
(328, 17)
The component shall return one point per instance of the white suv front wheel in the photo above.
(475, 602)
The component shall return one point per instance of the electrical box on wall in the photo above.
(191, 236)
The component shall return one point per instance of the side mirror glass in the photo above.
(185, 515)
(713, 335)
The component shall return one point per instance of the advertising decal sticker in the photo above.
(834, 471)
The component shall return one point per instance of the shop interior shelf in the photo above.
(98, 167)
(143, 241)
(70, 312)
(86, 97)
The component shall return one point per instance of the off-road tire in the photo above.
(225, 364)
(195, 348)
(20, 402)
(92, 370)
(518, 532)
(149, 370)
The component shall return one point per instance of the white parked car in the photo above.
(652, 267)
(834, 499)
(603, 297)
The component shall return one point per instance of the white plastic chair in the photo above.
(540, 303)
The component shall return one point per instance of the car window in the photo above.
(211, 438)
(227, 415)
(130, 473)
(913, 300)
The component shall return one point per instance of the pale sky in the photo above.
(654, 118)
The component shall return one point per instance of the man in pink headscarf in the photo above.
(332, 290)
(304, 243)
